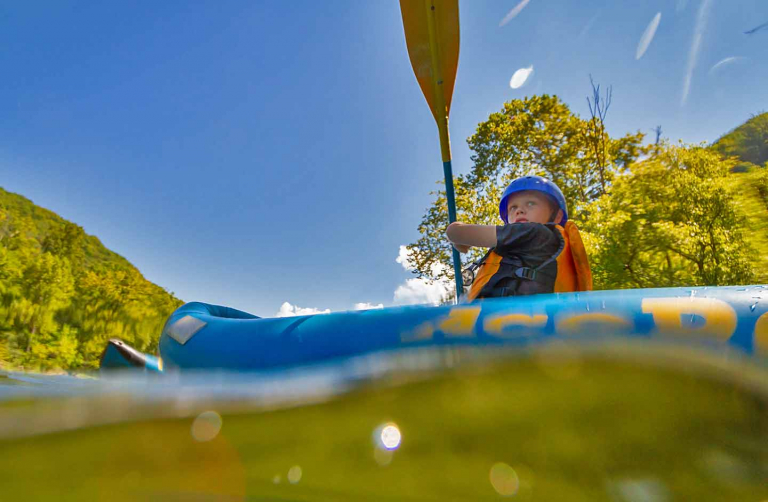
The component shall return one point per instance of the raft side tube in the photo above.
(200, 336)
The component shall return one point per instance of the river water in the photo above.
(617, 423)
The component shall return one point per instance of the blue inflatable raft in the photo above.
(203, 336)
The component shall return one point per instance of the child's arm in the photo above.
(464, 236)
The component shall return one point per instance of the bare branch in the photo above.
(657, 130)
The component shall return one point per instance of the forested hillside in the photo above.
(748, 145)
(748, 142)
(63, 294)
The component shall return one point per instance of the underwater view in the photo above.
(615, 423)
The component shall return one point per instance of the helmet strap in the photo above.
(554, 215)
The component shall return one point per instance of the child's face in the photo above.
(529, 206)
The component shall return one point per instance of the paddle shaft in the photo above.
(441, 117)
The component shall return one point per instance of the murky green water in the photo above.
(546, 426)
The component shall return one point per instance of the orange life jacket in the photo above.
(573, 272)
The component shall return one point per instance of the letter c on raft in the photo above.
(667, 314)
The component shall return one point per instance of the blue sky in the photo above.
(254, 153)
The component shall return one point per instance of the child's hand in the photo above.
(464, 236)
(461, 248)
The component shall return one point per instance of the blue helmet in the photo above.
(534, 183)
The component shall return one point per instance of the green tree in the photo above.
(535, 135)
(671, 221)
(47, 286)
(66, 240)
(117, 303)
(676, 218)
(63, 294)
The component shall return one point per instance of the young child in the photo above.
(537, 250)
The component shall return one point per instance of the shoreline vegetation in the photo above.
(63, 294)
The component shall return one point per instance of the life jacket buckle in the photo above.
(526, 273)
(468, 276)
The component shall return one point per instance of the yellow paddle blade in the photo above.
(443, 45)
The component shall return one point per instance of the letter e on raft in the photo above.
(720, 318)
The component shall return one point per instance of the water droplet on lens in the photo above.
(294, 474)
(206, 426)
(520, 77)
(387, 436)
(383, 457)
(504, 479)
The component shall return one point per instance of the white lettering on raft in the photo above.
(720, 318)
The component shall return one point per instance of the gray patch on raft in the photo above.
(185, 328)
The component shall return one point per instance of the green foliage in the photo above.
(761, 183)
(678, 217)
(750, 193)
(671, 221)
(63, 294)
(748, 142)
(536, 135)
(749, 183)
(540, 135)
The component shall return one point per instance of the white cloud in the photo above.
(288, 310)
(402, 259)
(368, 306)
(413, 291)
(418, 291)
(520, 77)
(514, 12)
(648, 34)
